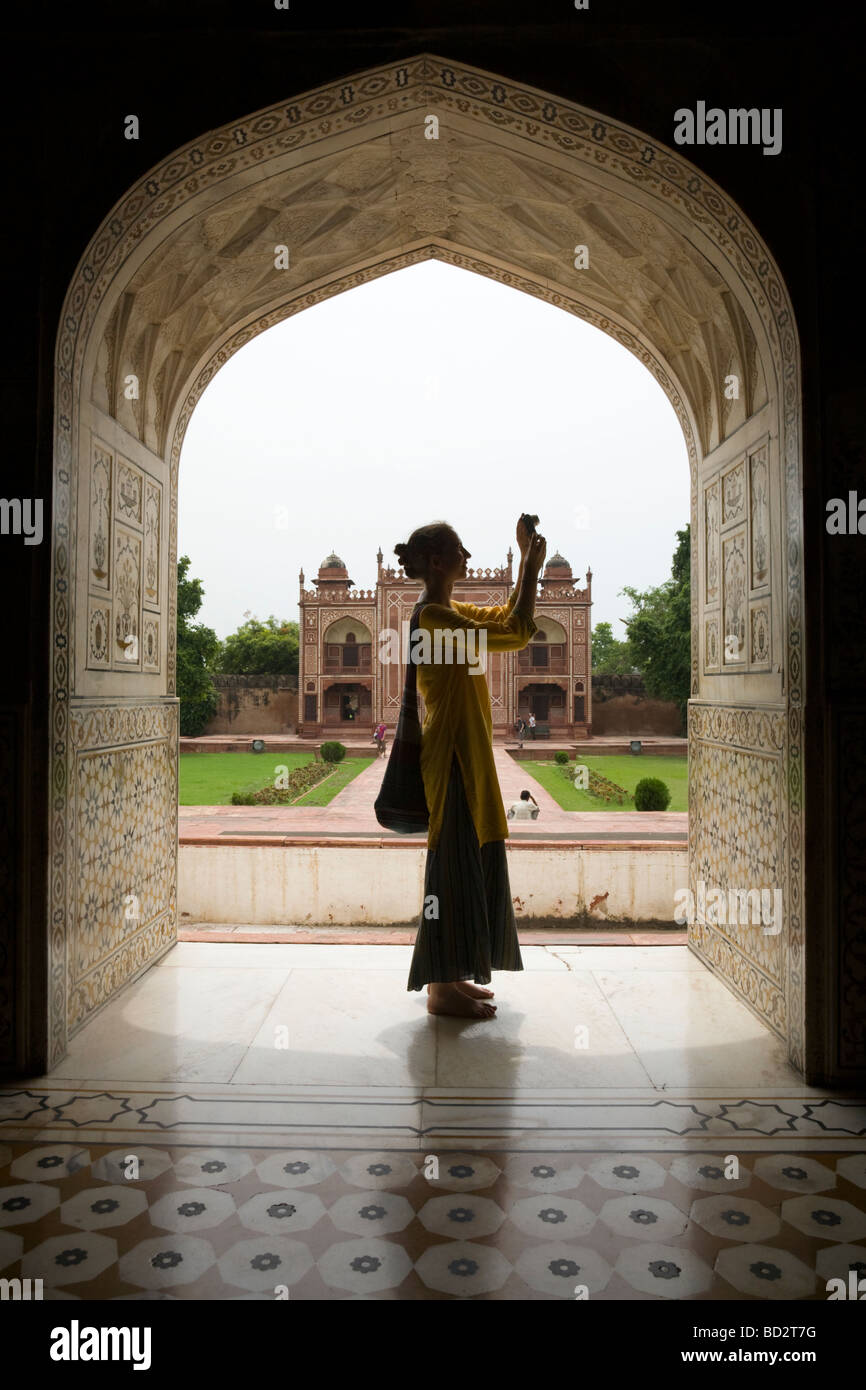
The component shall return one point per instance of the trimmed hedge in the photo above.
(332, 752)
(560, 757)
(651, 794)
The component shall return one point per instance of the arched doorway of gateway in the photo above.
(277, 211)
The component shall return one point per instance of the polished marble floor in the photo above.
(598, 1017)
(594, 1048)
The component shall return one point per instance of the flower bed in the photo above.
(298, 783)
(607, 790)
(599, 786)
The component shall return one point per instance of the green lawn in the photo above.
(208, 779)
(624, 769)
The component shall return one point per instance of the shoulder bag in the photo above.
(401, 805)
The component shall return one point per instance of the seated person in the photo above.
(522, 810)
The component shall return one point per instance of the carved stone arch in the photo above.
(338, 615)
(174, 281)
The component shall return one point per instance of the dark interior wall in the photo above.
(187, 66)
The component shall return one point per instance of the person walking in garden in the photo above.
(467, 928)
(532, 726)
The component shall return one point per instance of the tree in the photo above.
(258, 648)
(198, 650)
(610, 656)
(660, 630)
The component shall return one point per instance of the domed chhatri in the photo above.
(557, 562)
(344, 686)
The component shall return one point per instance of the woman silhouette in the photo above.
(467, 927)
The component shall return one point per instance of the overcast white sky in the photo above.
(431, 393)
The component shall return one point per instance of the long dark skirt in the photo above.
(475, 930)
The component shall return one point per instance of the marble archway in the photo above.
(346, 178)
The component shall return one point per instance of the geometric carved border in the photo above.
(662, 179)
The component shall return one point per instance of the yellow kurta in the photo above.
(457, 715)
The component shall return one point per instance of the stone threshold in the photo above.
(281, 839)
(552, 935)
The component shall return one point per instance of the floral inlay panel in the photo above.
(152, 532)
(711, 542)
(734, 495)
(125, 894)
(759, 486)
(734, 601)
(129, 502)
(98, 634)
(737, 842)
(127, 599)
(99, 553)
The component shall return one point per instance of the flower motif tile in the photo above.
(559, 1270)
(825, 1217)
(149, 1163)
(50, 1161)
(262, 1264)
(375, 1170)
(166, 1260)
(765, 1271)
(367, 1265)
(839, 1261)
(556, 1173)
(281, 1213)
(644, 1218)
(628, 1173)
(463, 1268)
(547, 1215)
(212, 1167)
(461, 1216)
(69, 1259)
(303, 1168)
(382, 1213)
(664, 1271)
(24, 1203)
(735, 1218)
(465, 1172)
(192, 1209)
(793, 1173)
(707, 1174)
(98, 1207)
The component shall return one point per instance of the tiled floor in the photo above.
(199, 1223)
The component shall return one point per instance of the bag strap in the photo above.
(411, 669)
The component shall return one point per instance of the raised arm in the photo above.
(496, 612)
(506, 631)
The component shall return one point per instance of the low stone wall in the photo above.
(255, 705)
(300, 885)
(620, 705)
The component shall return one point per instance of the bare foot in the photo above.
(448, 999)
(474, 991)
